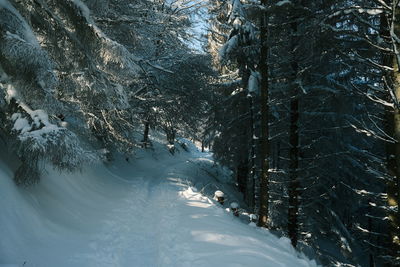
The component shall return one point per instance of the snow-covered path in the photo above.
(129, 214)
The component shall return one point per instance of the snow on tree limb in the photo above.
(20, 50)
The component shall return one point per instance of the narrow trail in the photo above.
(140, 230)
(135, 214)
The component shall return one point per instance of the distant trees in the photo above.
(183, 96)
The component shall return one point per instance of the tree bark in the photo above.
(170, 132)
(264, 145)
(393, 157)
(396, 121)
(241, 176)
(252, 177)
(392, 83)
(294, 183)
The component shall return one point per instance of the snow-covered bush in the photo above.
(38, 140)
(60, 147)
(27, 84)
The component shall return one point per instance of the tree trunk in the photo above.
(170, 136)
(294, 144)
(293, 173)
(241, 177)
(252, 177)
(264, 145)
(170, 132)
(393, 157)
(392, 80)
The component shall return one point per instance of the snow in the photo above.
(38, 129)
(11, 93)
(254, 82)
(146, 212)
(27, 32)
(283, 2)
(20, 124)
(111, 52)
(219, 193)
(237, 13)
(84, 9)
(369, 11)
(234, 205)
(253, 217)
(229, 47)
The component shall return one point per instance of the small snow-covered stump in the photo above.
(253, 219)
(219, 196)
(235, 209)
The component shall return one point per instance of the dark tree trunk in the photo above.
(392, 82)
(241, 176)
(294, 185)
(252, 177)
(293, 173)
(264, 145)
(396, 123)
(170, 136)
(170, 132)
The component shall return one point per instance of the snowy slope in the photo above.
(142, 213)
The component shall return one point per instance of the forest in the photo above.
(298, 101)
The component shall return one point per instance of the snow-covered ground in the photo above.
(144, 212)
